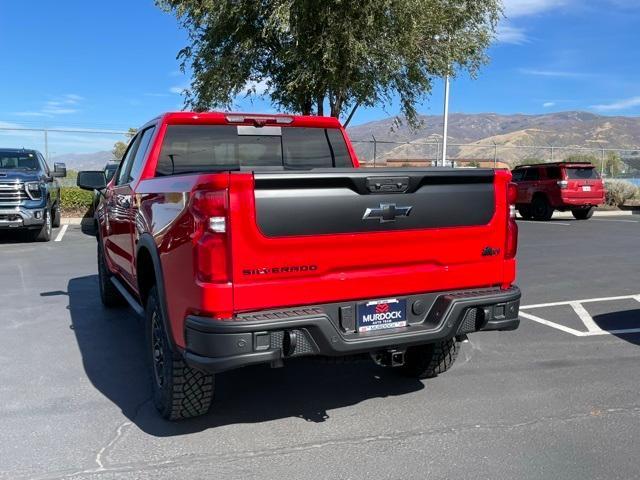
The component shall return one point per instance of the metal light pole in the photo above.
(446, 121)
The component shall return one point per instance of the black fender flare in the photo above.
(146, 241)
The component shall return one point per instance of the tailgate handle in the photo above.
(388, 184)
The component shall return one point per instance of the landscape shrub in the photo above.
(74, 200)
(619, 191)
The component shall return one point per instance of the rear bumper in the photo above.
(20, 217)
(576, 202)
(263, 337)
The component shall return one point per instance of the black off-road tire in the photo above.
(428, 361)
(109, 294)
(541, 209)
(583, 213)
(525, 212)
(43, 234)
(179, 391)
(55, 215)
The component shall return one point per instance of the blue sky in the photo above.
(112, 64)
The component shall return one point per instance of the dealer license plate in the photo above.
(382, 314)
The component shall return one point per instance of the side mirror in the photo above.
(92, 180)
(59, 170)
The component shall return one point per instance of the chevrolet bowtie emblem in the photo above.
(387, 212)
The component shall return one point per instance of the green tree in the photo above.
(120, 147)
(340, 54)
(583, 157)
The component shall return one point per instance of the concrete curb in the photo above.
(600, 213)
(71, 221)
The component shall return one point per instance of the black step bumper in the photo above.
(265, 337)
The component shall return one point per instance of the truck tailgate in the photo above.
(300, 238)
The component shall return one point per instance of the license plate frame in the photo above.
(376, 315)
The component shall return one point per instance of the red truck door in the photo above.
(528, 185)
(121, 209)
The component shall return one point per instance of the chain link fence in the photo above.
(611, 162)
(88, 148)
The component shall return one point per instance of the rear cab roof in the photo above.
(558, 164)
(233, 118)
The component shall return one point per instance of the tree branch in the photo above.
(353, 110)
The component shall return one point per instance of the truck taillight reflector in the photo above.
(511, 244)
(209, 208)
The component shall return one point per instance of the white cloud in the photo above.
(59, 111)
(521, 8)
(549, 104)
(31, 114)
(553, 73)
(618, 105)
(510, 34)
(72, 98)
(178, 90)
(62, 105)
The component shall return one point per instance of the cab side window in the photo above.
(140, 155)
(45, 166)
(553, 173)
(531, 174)
(125, 164)
(517, 175)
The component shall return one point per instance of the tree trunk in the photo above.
(320, 103)
(336, 106)
(306, 106)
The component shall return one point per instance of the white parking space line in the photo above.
(585, 317)
(587, 300)
(593, 329)
(613, 220)
(61, 233)
(572, 331)
(562, 224)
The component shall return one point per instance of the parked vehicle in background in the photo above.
(248, 239)
(562, 186)
(110, 170)
(29, 193)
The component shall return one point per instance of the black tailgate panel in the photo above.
(335, 201)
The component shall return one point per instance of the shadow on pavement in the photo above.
(14, 236)
(621, 320)
(111, 344)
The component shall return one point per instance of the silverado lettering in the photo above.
(275, 270)
(217, 194)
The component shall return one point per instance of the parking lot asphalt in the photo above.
(539, 402)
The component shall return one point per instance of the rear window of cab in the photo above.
(587, 173)
(211, 148)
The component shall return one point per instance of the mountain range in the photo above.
(510, 137)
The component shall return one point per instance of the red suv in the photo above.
(558, 186)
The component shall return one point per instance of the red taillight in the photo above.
(211, 242)
(511, 244)
(512, 193)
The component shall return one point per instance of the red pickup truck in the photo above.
(249, 239)
(543, 188)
